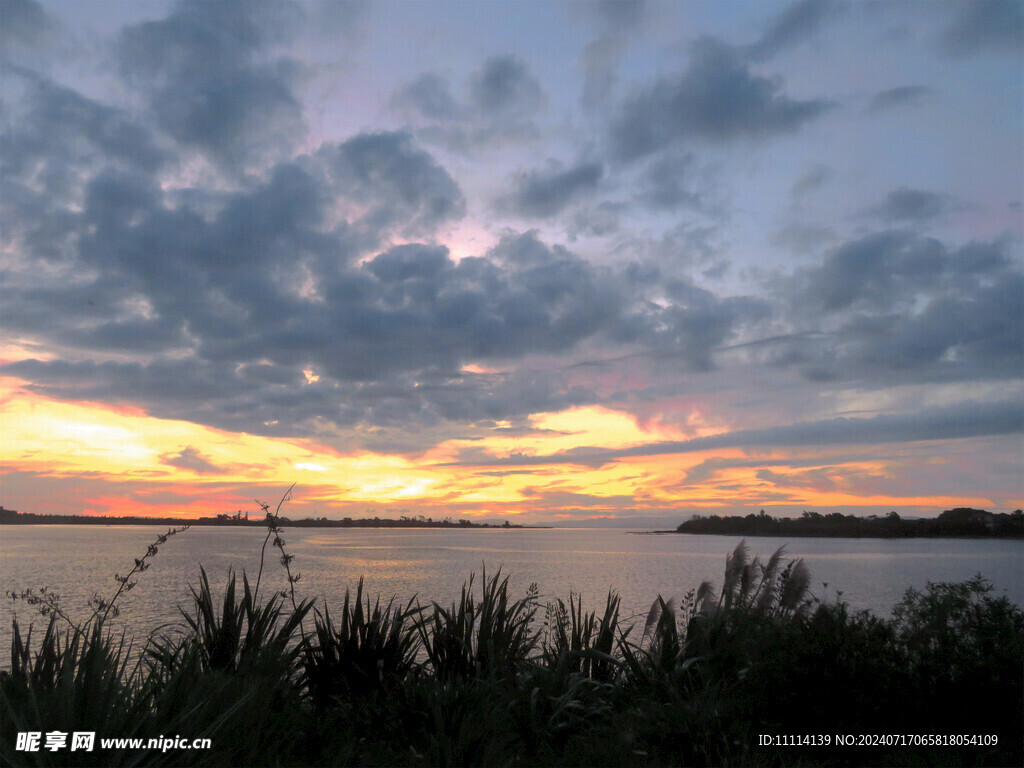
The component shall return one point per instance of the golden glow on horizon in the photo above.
(190, 470)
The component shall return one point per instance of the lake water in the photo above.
(76, 561)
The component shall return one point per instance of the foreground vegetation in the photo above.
(495, 679)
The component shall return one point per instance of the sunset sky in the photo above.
(548, 262)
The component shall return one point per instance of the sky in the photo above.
(547, 262)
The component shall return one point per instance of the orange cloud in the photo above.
(138, 464)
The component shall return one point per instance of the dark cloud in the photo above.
(615, 16)
(545, 193)
(895, 305)
(208, 76)
(213, 307)
(53, 140)
(668, 183)
(67, 132)
(500, 101)
(403, 412)
(717, 98)
(799, 22)
(431, 96)
(875, 270)
(235, 283)
(821, 480)
(504, 87)
(600, 60)
(809, 239)
(905, 95)
(977, 335)
(598, 220)
(912, 205)
(963, 420)
(24, 22)
(890, 269)
(982, 26)
(811, 180)
(709, 469)
(616, 21)
(696, 322)
(190, 458)
(402, 185)
(232, 304)
(333, 20)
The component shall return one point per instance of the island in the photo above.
(962, 522)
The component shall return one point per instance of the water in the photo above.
(432, 564)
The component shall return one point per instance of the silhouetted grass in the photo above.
(492, 680)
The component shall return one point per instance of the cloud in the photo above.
(332, 20)
(695, 323)
(402, 185)
(616, 15)
(67, 132)
(431, 96)
(25, 22)
(600, 60)
(597, 220)
(979, 335)
(912, 205)
(871, 268)
(709, 469)
(210, 80)
(807, 239)
(499, 102)
(905, 95)
(797, 23)
(231, 304)
(190, 458)
(963, 420)
(313, 297)
(617, 22)
(716, 99)
(504, 87)
(984, 26)
(55, 139)
(810, 181)
(668, 183)
(894, 305)
(545, 193)
(891, 267)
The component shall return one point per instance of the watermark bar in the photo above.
(85, 741)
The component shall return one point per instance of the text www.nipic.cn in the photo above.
(85, 741)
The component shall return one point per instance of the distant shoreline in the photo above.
(959, 523)
(792, 535)
(10, 517)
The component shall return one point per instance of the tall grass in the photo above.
(492, 679)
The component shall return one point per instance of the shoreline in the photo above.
(793, 535)
(29, 518)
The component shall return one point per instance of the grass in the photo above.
(494, 679)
